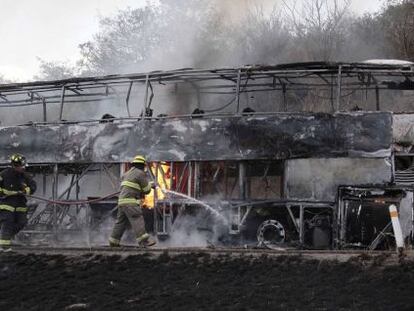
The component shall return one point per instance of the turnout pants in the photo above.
(20, 220)
(128, 214)
(10, 224)
(6, 227)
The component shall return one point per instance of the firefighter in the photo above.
(15, 183)
(134, 187)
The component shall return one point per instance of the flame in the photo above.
(163, 182)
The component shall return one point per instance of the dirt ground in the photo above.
(201, 282)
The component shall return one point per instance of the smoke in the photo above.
(172, 34)
(237, 10)
(198, 230)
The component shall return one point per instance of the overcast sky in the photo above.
(53, 29)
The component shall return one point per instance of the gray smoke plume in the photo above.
(195, 231)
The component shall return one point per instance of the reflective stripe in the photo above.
(127, 201)
(7, 208)
(21, 209)
(8, 192)
(131, 185)
(5, 242)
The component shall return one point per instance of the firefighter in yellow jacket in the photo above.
(134, 187)
(15, 183)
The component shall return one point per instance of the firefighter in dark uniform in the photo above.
(15, 183)
(134, 186)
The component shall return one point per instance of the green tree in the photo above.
(50, 70)
(367, 38)
(398, 24)
(261, 38)
(199, 33)
(123, 42)
(320, 29)
(171, 35)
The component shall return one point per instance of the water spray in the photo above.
(209, 208)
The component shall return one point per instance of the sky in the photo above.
(53, 29)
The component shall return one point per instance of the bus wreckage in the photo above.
(305, 155)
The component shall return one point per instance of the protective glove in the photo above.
(25, 189)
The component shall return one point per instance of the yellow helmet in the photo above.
(139, 159)
(17, 160)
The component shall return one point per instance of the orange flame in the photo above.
(163, 180)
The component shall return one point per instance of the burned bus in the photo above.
(304, 155)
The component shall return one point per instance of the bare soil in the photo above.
(201, 282)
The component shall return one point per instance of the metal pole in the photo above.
(44, 110)
(332, 93)
(44, 184)
(127, 98)
(337, 213)
(197, 181)
(54, 197)
(88, 216)
(338, 94)
(344, 210)
(242, 180)
(155, 196)
(70, 188)
(301, 225)
(339, 223)
(238, 91)
(225, 181)
(146, 92)
(377, 99)
(190, 179)
(62, 100)
(77, 188)
(292, 217)
(155, 202)
(171, 174)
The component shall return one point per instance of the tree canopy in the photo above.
(200, 33)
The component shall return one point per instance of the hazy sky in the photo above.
(53, 29)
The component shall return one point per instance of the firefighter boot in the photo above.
(114, 242)
(145, 240)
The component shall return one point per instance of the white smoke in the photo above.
(195, 231)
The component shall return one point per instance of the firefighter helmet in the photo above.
(17, 160)
(139, 159)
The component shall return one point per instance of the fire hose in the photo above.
(78, 202)
(59, 202)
